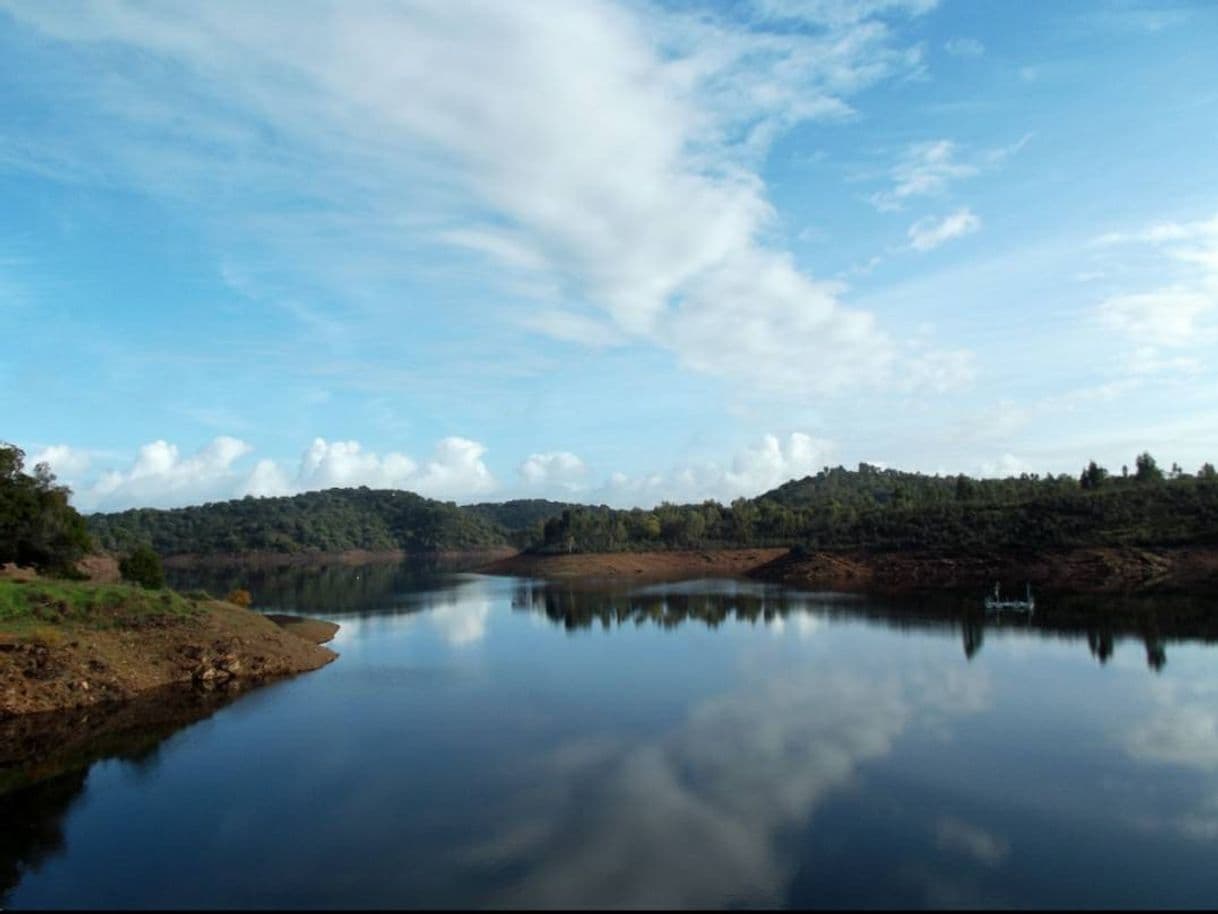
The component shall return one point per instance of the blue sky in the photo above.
(611, 251)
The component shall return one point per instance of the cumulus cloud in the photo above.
(751, 471)
(161, 476)
(66, 463)
(928, 233)
(557, 469)
(455, 469)
(609, 151)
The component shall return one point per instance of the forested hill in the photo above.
(334, 520)
(867, 508)
(877, 509)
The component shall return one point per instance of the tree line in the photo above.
(885, 509)
(835, 509)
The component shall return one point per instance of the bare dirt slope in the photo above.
(642, 566)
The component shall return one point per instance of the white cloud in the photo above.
(964, 47)
(161, 477)
(555, 470)
(1005, 466)
(455, 470)
(1164, 317)
(753, 470)
(928, 168)
(66, 463)
(928, 233)
(610, 150)
(1174, 314)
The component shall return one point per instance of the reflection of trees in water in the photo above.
(33, 826)
(576, 608)
(45, 761)
(1148, 619)
(322, 588)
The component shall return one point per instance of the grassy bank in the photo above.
(32, 605)
(66, 644)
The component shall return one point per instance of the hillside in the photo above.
(520, 513)
(67, 644)
(874, 509)
(836, 509)
(333, 520)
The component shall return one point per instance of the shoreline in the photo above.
(67, 665)
(265, 559)
(1082, 570)
(638, 566)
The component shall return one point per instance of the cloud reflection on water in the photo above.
(704, 815)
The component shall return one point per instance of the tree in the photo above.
(37, 525)
(1093, 476)
(1207, 473)
(1146, 468)
(143, 567)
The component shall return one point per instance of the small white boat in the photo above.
(996, 602)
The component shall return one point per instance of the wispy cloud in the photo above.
(928, 233)
(610, 152)
(1174, 314)
(928, 168)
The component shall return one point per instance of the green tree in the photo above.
(37, 525)
(1146, 468)
(1093, 476)
(143, 567)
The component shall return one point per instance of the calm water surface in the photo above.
(495, 742)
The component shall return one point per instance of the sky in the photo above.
(616, 252)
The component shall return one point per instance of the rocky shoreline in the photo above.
(67, 666)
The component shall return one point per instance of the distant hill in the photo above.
(880, 509)
(866, 508)
(333, 520)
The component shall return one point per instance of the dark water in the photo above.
(493, 742)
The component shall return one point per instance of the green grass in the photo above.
(43, 603)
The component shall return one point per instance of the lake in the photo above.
(499, 742)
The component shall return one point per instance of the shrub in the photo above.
(143, 567)
(239, 597)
